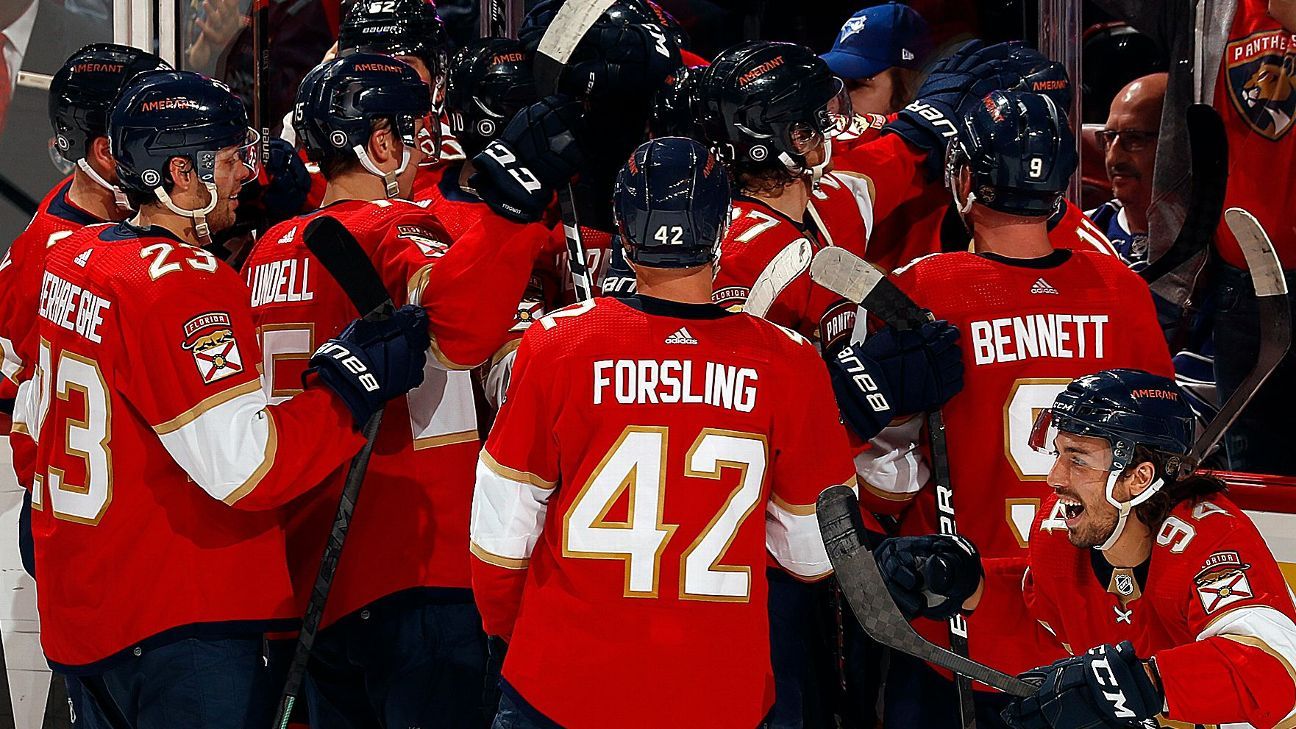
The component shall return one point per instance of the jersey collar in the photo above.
(661, 307)
(1052, 260)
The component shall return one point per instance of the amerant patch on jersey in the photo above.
(210, 338)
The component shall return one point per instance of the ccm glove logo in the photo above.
(509, 161)
(1103, 673)
(863, 380)
(934, 117)
(352, 363)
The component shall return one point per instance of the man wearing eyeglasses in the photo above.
(1129, 143)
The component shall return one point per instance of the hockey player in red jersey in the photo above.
(358, 116)
(1160, 587)
(158, 456)
(1032, 318)
(646, 458)
(81, 95)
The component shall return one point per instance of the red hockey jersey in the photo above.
(20, 274)
(418, 487)
(151, 424)
(648, 455)
(1028, 328)
(1210, 607)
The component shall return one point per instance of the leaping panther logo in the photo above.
(1262, 82)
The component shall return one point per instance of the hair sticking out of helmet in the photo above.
(1019, 150)
(177, 114)
(341, 103)
(763, 103)
(671, 204)
(488, 82)
(1131, 410)
(82, 94)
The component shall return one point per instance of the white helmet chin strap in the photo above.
(1125, 507)
(119, 195)
(198, 216)
(389, 178)
(816, 171)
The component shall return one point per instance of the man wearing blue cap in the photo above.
(878, 53)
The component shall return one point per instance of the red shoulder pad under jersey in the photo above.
(1237, 626)
(842, 209)
(20, 271)
(764, 268)
(704, 479)
(1076, 231)
(457, 210)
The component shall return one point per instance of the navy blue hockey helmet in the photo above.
(82, 93)
(488, 82)
(397, 28)
(671, 204)
(1020, 151)
(673, 107)
(1127, 408)
(169, 114)
(768, 101)
(340, 100)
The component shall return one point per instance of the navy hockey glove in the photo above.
(516, 174)
(864, 397)
(371, 362)
(1107, 687)
(930, 576)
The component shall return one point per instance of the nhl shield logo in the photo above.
(1124, 584)
(211, 341)
(1261, 72)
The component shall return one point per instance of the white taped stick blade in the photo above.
(1261, 258)
(568, 26)
(845, 273)
(790, 263)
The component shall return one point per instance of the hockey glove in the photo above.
(929, 576)
(279, 191)
(516, 174)
(371, 362)
(864, 397)
(1107, 687)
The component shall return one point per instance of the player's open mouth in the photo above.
(1072, 510)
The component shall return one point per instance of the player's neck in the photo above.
(354, 186)
(791, 200)
(157, 215)
(93, 198)
(1011, 236)
(685, 286)
(1133, 547)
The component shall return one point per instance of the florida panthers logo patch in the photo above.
(210, 339)
(1262, 81)
(1223, 581)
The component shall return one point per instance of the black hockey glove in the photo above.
(1106, 687)
(516, 174)
(930, 576)
(619, 62)
(932, 120)
(371, 362)
(896, 372)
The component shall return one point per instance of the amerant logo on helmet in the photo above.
(168, 104)
(379, 67)
(1040, 87)
(1145, 393)
(759, 71)
(98, 68)
(507, 58)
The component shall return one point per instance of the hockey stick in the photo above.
(341, 255)
(491, 19)
(850, 276)
(1208, 146)
(865, 590)
(560, 39)
(261, 75)
(1275, 322)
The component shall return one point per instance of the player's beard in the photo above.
(1095, 524)
(222, 216)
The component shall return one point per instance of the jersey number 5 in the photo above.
(637, 464)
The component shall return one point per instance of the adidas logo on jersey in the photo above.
(1042, 287)
(83, 258)
(681, 336)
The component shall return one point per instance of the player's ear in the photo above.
(383, 146)
(1140, 477)
(101, 159)
(182, 175)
